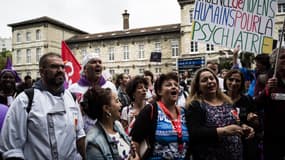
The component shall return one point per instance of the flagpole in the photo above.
(279, 49)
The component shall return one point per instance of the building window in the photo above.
(141, 70)
(126, 52)
(141, 51)
(191, 16)
(97, 51)
(174, 48)
(38, 75)
(157, 47)
(28, 56)
(112, 72)
(281, 7)
(18, 56)
(193, 46)
(38, 34)
(28, 36)
(83, 53)
(19, 37)
(209, 47)
(29, 73)
(127, 71)
(38, 54)
(111, 54)
(157, 70)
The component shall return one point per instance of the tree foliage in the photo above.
(3, 58)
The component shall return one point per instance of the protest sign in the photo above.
(231, 23)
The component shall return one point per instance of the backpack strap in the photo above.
(30, 93)
(153, 119)
(73, 96)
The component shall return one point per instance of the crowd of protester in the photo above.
(213, 114)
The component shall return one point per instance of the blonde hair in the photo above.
(195, 93)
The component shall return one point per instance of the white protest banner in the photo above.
(229, 23)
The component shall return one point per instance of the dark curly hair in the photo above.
(94, 100)
(164, 77)
(133, 84)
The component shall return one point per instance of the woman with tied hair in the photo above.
(163, 123)
(213, 124)
(136, 90)
(107, 138)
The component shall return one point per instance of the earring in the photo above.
(109, 114)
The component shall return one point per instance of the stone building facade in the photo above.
(32, 38)
(127, 50)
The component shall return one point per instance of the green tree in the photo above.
(225, 63)
(3, 58)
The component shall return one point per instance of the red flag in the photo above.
(72, 67)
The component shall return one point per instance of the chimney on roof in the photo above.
(126, 20)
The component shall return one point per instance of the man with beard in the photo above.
(53, 127)
(273, 100)
(90, 75)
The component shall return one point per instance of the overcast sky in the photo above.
(92, 16)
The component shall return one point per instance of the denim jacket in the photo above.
(99, 145)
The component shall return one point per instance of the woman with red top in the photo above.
(163, 123)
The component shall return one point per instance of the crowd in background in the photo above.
(213, 114)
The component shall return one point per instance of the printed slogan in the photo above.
(229, 23)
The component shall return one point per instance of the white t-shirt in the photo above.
(123, 147)
(128, 115)
(221, 83)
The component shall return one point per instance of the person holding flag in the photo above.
(273, 99)
(90, 75)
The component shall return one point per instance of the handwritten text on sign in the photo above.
(229, 23)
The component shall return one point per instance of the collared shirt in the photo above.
(49, 131)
